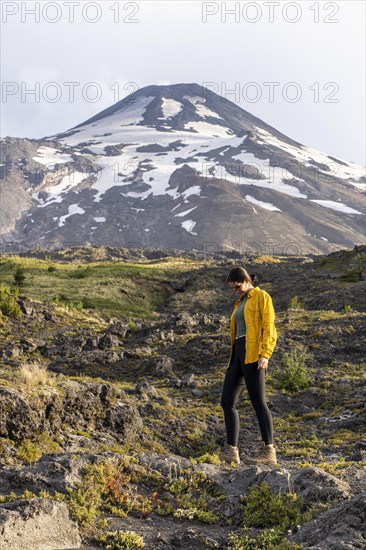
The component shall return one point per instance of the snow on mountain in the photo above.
(167, 152)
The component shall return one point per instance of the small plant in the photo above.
(13, 496)
(104, 485)
(295, 303)
(132, 324)
(19, 275)
(31, 451)
(292, 375)
(188, 481)
(51, 268)
(192, 513)
(269, 539)
(263, 508)
(86, 497)
(193, 491)
(77, 306)
(8, 301)
(348, 307)
(208, 458)
(121, 540)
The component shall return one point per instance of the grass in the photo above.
(121, 289)
(35, 375)
(264, 259)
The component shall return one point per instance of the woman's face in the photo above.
(240, 288)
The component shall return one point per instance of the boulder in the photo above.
(108, 341)
(316, 485)
(188, 380)
(162, 365)
(37, 524)
(279, 479)
(144, 388)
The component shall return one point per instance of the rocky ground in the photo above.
(113, 423)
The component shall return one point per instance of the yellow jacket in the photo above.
(261, 333)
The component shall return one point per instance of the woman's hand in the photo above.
(262, 362)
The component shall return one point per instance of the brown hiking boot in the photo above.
(267, 455)
(230, 455)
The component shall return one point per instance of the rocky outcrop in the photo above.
(340, 528)
(82, 406)
(51, 472)
(313, 484)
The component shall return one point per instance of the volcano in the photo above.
(179, 166)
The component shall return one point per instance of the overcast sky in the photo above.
(312, 51)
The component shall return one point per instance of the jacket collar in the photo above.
(252, 291)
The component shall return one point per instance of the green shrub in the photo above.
(263, 508)
(104, 485)
(121, 540)
(193, 493)
(80, 273)
(51, 268)
(8, 301)
(19, 275)
(31, 451)
(293, 374)
(86, 497)
(295, 303)
(269, 539)
(132, 324)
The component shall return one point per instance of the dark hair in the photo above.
(239, 275)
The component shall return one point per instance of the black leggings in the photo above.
(238, 374)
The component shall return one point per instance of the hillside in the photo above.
(112, 363)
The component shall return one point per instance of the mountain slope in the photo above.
(181, 167)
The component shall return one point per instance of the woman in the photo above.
(253, 336)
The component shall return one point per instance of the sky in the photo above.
(298, 66)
